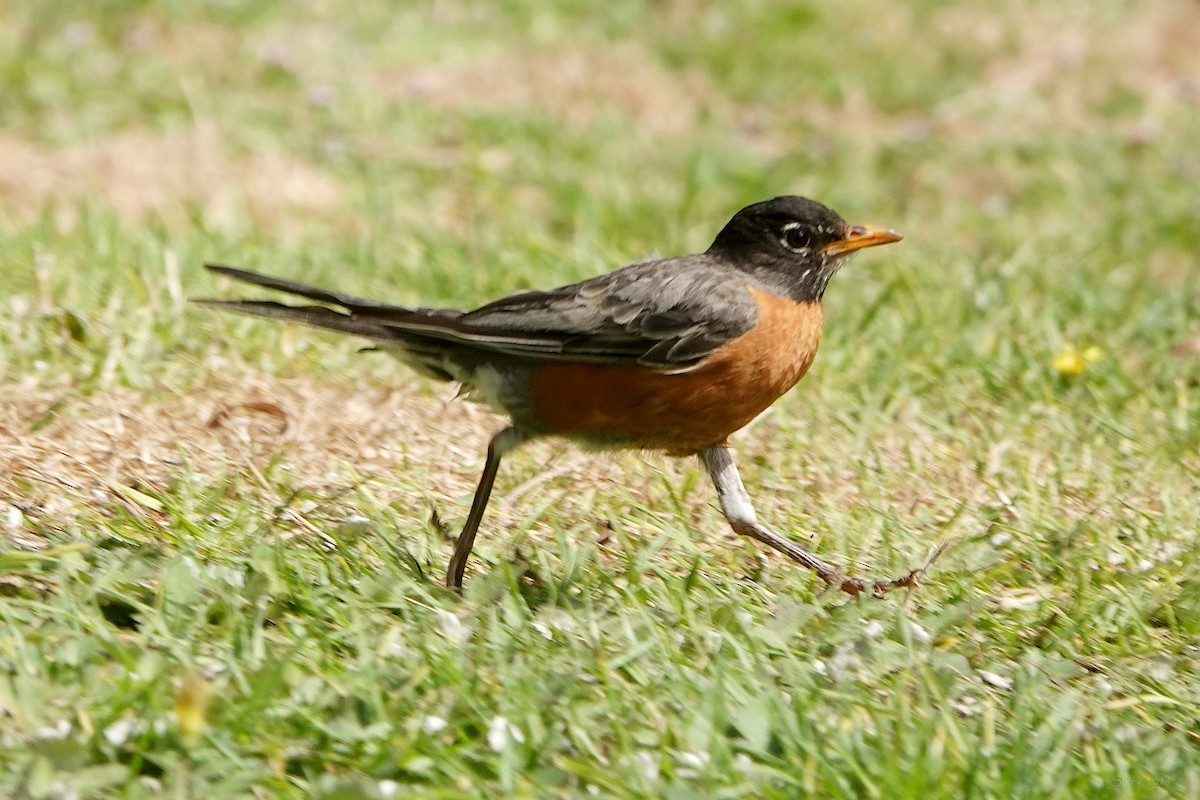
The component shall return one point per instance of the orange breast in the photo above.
(611, 404)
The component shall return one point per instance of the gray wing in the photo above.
(668, 315)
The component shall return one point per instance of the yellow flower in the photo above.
(191, 704)
(1071, 363)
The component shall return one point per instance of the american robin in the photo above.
(672, 355)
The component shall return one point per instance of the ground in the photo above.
(221, 541)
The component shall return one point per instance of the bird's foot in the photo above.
(834, 579)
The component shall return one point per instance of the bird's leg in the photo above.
(501, 443)
(738, 510)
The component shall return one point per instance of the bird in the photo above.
(668, 354)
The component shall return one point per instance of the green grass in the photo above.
(229, 626)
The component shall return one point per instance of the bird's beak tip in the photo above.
(860, 236)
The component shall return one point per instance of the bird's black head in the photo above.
(794, 242)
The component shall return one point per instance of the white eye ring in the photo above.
(797, 244)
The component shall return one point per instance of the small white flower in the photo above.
(392, 644)
(119, 732)
(433, 724)
(210, 668)
(873, 629)
(966, 706)
(1115, 558)
(842, 661)
(452, 627)
(388, 788)
(59, 730)
(501, 732)
(919, 633)
(819, 667)
(1125, 734)
(63, 789)
(354, 525)
(563, 622)
(694, 758)
(995, 681)
(1019, 601)
(1161, 670)
(543, 629)
(649, 763)
(393, 649)
(13, 519)
(228, 575)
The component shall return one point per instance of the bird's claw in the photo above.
(834, 579)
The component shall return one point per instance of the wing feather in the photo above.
(668, 315)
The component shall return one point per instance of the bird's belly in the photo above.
(682, 413)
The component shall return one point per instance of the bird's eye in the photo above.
(795, 237)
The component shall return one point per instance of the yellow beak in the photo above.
(858, 237)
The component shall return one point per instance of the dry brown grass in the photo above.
(1056, 71)
(62, 454)
(1049, 68)
(66, 450)
(140, 173)
(577, 86)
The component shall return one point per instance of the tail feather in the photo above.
(317, 316)
(422, 331)
(366, 317)
(347, 301)
(419, 336)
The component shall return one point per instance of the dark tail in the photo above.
(347, 301)
(370, 319)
